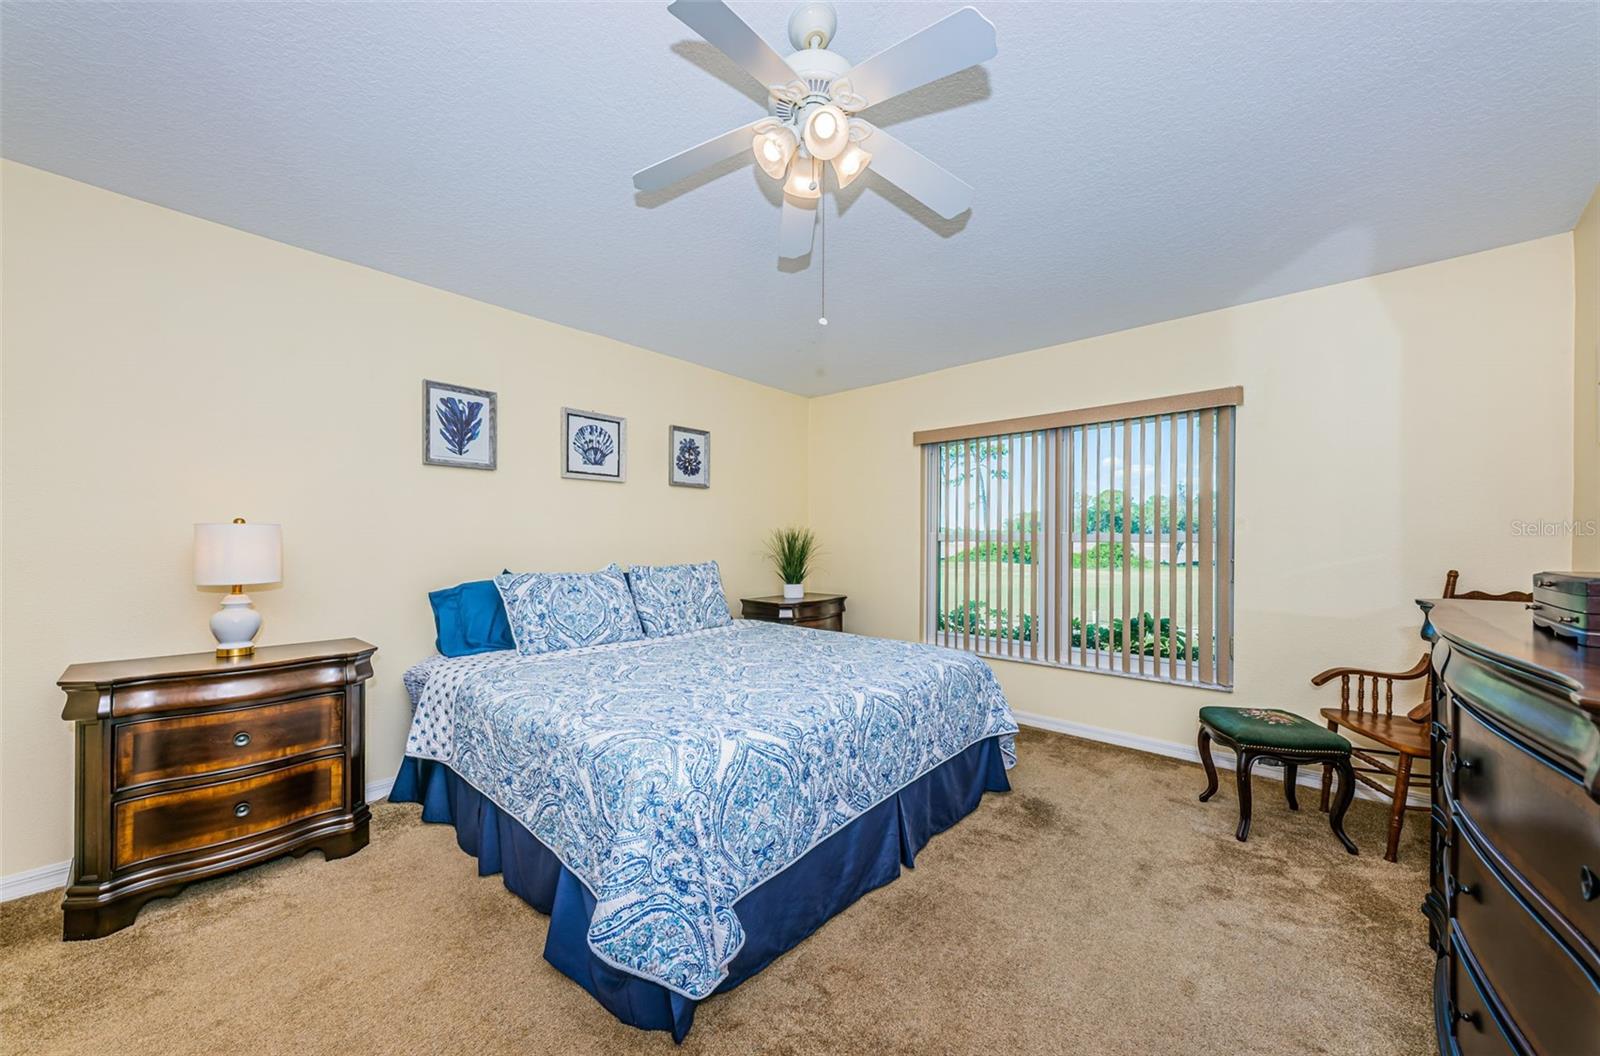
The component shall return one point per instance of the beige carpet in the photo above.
(1096, 909)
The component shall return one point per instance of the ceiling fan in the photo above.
(814, 97)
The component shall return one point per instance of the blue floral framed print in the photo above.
(594, 446)
(459, 426)
(688, 457)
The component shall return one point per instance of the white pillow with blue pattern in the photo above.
(673, 599)
(566, 610)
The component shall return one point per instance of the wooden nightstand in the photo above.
(822, 611)
(191, 766)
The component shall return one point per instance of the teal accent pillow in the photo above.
(469, 618)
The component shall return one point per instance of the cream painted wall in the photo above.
(160, 370)
(1393, 427)
(1586, 388)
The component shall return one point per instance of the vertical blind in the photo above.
(1100, 538)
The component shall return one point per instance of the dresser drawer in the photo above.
(1539, 819)
(172, 822)
(1551, 996)
(188, 745)
(1471, 1019)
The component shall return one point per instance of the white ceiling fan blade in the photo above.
(796, 228)
(732, 36)
(932, 185)
(948, 46)
(665, 173)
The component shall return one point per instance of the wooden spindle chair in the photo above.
(1402, 738)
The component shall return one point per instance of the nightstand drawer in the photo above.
(211, 742)
(171, 822)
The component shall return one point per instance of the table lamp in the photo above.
(231, 555)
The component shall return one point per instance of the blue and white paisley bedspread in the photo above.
(675, 775)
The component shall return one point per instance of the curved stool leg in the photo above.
(1347, 792)
(1291, 776)
(1205, 761)
(1246, 761)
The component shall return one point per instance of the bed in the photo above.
(686, 808)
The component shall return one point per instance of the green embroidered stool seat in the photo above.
(1270, 733)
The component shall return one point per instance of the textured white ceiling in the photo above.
(1133, 162)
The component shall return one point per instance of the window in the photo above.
(1099, 539)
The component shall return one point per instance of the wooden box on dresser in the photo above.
(191, 766)
(1514, 903)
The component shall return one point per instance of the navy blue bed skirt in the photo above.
(865, 854)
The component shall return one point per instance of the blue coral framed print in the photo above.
(688, 457)
(594, 446)
(459, 426)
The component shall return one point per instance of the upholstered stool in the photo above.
(1256, 733)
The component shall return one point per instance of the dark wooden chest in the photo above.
(191, 766)
(1514, 908)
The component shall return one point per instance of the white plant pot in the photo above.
(794, 591)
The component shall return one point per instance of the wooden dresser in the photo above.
(191, 766)
(822, 611)
(1514, 904)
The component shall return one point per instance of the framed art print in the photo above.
(688, 457)
(458, 426)
(594, 446)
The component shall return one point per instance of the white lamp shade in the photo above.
(229, 554)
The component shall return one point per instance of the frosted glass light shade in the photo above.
(229, 554)
(773, 148)
(805, 179)
(827, 132)
(852, 163)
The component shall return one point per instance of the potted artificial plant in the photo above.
(792, 552)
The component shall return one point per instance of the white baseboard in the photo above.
(56, 874)
(32, 881)
(1309, 777)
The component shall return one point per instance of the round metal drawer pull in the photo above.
(241, 810)
(241, 739)
(1588, 884)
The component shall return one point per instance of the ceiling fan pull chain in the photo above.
(822, 266)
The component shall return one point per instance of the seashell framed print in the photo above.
(688, 457)
(594, 446)
(459, 426)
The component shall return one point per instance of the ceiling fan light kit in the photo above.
(813, 97)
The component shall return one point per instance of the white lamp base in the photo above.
(235, 626)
